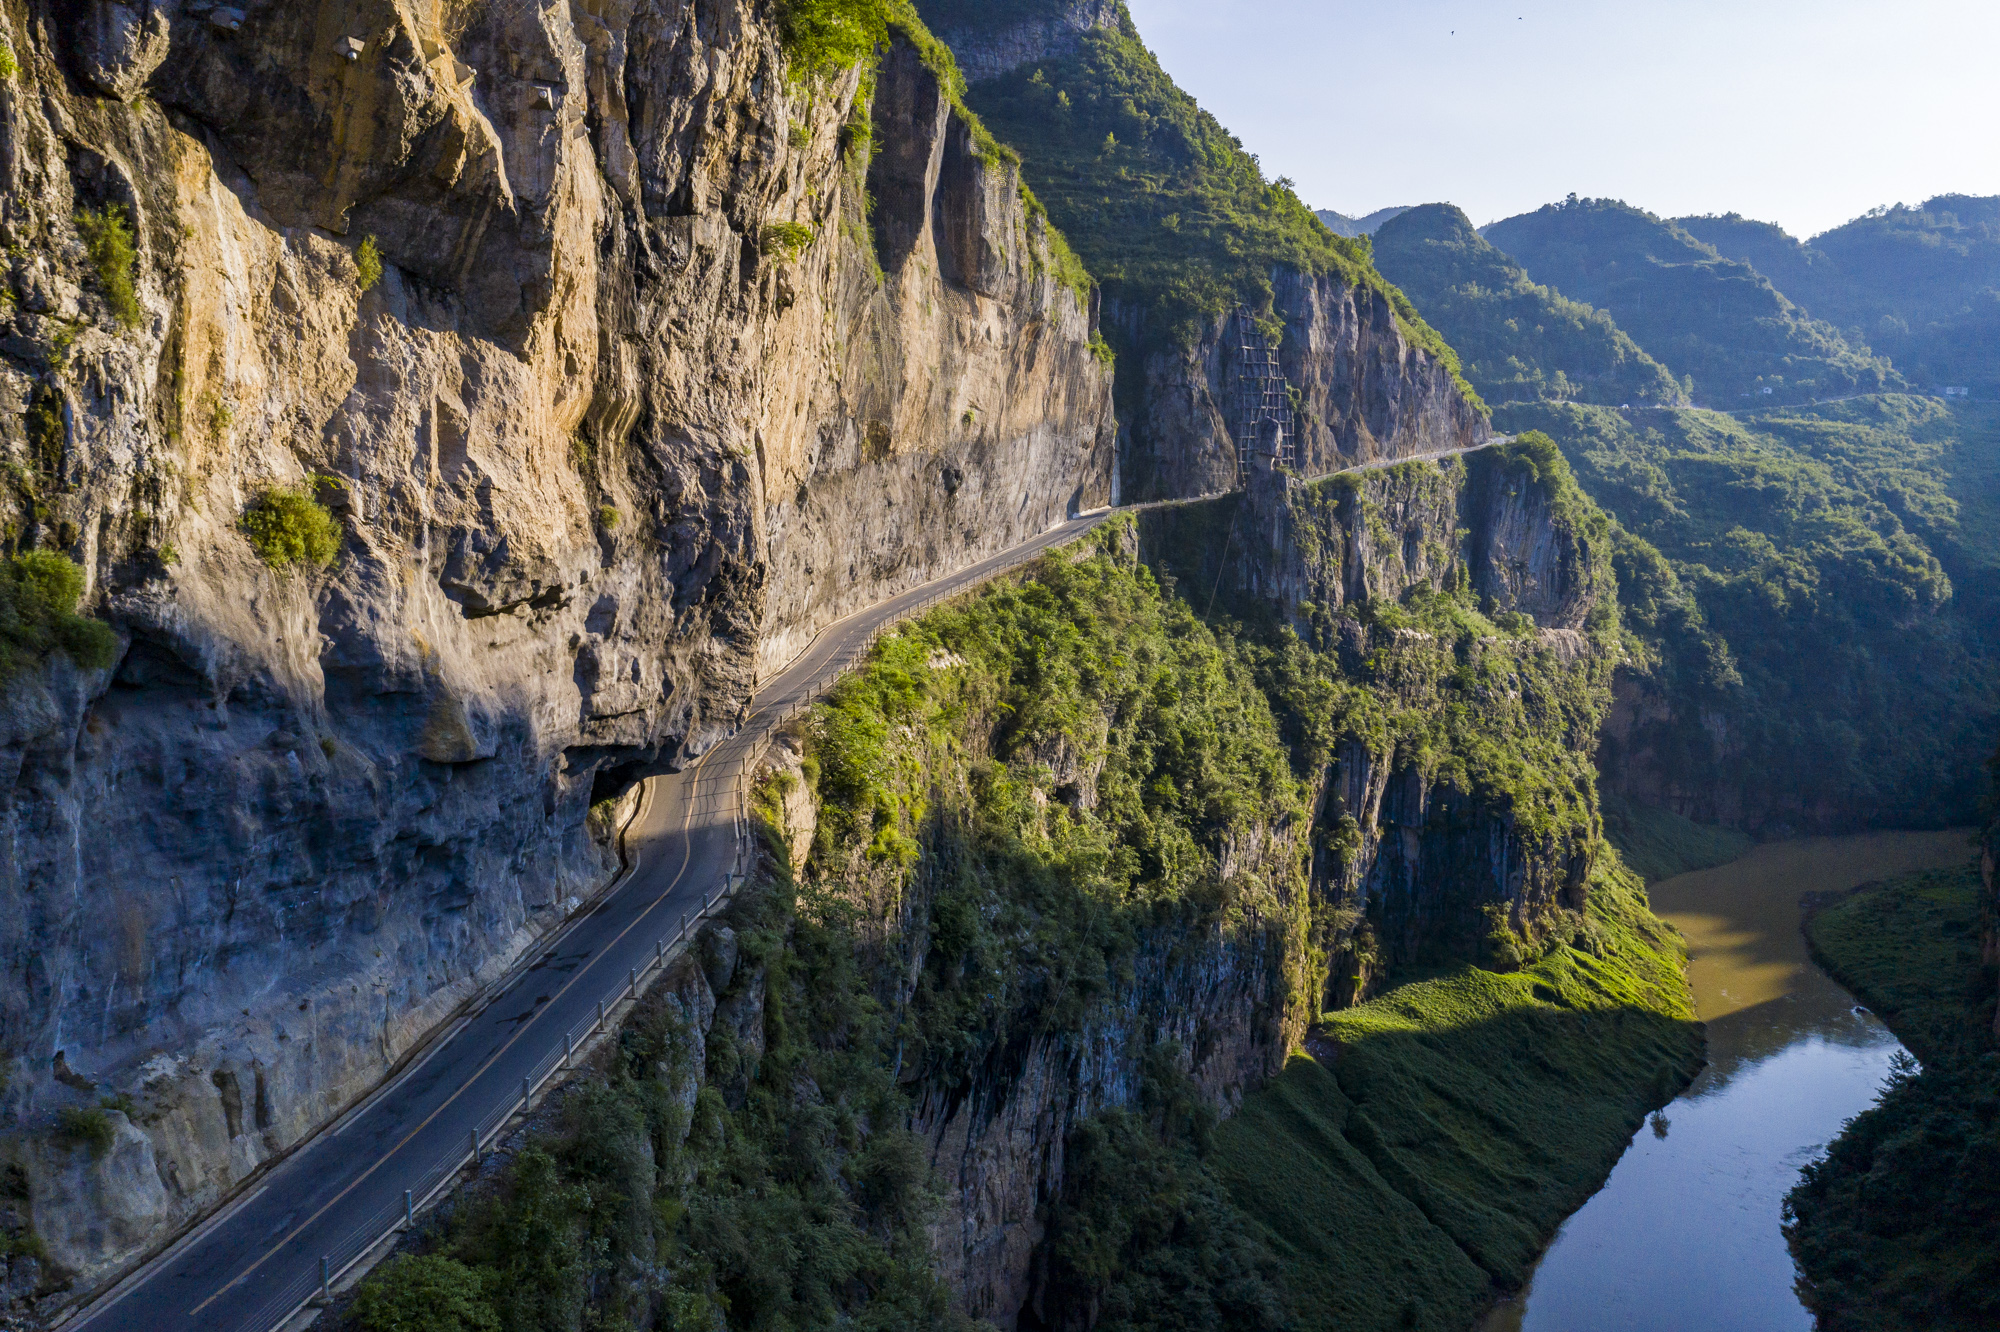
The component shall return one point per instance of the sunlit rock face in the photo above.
(640, 400)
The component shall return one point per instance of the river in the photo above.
(1684, 1236)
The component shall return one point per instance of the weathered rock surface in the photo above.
(628, 416)
(1422, 865)
(1364, 393)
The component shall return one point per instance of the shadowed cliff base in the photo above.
(1417, 1161)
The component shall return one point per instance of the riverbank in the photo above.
(1790, 1060)
(1899, 1227)
(1419, 1157)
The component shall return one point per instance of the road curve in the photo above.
(320, 1209)
(255, 1263)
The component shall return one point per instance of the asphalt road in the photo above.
(258, 1260)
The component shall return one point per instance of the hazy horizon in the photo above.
(1806, 115)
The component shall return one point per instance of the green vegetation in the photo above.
(1440, 1133)
(86, 1128)
(1821, 583)
(9, 66)
(1145, 1234)
(288, 528)
(1898, 1228)
(607, 517)
(786, 241)
(39, 591)
(368, 264)
(1169, 212)
(826, 37)
(1918, 283)
(1518, 341)
(107, 239)
(1714, 320)
(1657, 843)
(427, 1293)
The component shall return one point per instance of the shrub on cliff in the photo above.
(288, 528)
(39, 591)
(424, 1293)
(107, 239)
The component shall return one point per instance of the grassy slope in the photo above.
(1898, 1229)
(1518, 341)
(1657, 843)
(1714, 319)
(1166, 208)
(1464, 1116)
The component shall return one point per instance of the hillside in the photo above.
(1922, 284)
(1340, 224)
(1518, 341)
(1716, 321)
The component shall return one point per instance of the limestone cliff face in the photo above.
(1417, 860)
(1361, 389)
(640, 401)
(1363, 392)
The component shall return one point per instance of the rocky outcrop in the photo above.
(985, 51)
(1420, 858)
(1362, 392)
(638, 401)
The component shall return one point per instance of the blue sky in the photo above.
(1804, 114)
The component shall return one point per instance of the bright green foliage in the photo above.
(368, 263)
(786, 241)
(1465, 1115)
(427, 1293)
(288, 528)
(1714, 319)
(107, 238)
(1518, 341)
(1898, 1228)
(1167, 209)
(1024, 694)
(1822, 580)
(607, 517)
(39, 591)
(9, 66)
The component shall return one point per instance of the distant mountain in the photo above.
(1921, 285)
(1343, 225)
(1518, 341)
(1715, 319)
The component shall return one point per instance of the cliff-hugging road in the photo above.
(337, 1196)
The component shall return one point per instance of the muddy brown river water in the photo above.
(1684, 1236)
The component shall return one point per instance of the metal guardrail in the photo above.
(425, 1188)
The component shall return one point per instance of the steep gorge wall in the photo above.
(1453, 817)
(639, 402)
(1362, 391)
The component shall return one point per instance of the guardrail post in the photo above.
(660, 953)
(569, 1050)
(524, 1092)
(325, 1283)
(409, 1211)
(474, 1135)
(600, 1015)
(632, 986)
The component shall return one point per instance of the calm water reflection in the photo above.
(1684, 1236)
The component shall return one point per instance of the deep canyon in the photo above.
(450, 412)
